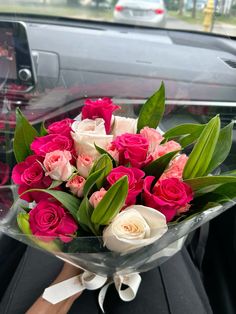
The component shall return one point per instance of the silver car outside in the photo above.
(141, 12)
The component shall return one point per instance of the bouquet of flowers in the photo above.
(114, 195)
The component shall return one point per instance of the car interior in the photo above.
(50, 64)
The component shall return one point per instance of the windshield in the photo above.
(211, 16)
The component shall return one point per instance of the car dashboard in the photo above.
(74, 60)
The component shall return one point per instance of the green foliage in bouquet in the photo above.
(23, 137)
(153, 110)
(210, 146)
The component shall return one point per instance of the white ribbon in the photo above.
(91, 281)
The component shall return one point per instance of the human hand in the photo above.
(42, 306)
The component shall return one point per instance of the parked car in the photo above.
(200, 5)
(141, 12)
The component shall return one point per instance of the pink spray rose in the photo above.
(49, 143)
(135, 180)
(57, 165)
(176, 168)
(84, 164)
(29, 174)
(62, 127)
(76, 185)
(153, 136)
(168, 196)
(100, 108)
(49, 219)
(96, 197)
(113, 152)
(165, 149)
(133, 149)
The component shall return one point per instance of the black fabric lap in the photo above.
(175, 287)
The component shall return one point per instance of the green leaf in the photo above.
(43, 130)
(70, 202)
(224, 193)
(189, 139)
(184, 129)
(91, 180)
(229, 173)
(203, 150)
(84, 215)
(227, 191)
(153, 110)
(203, 182)
(23, 137)
(26, 209)
(223, 147)
(158, 166)
(54, 184)
(111, 203)
(105, 163)
(103, 151)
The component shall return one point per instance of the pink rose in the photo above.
(84, 164)
(96, 197)
(100, 108)
(62, 127)
(176, 168)
(153, 136)
(135, 180)
(29, 174)
(57, 165)
(165, 148)
(48, 219)
(168, 196)
(49, 143)
(113, 152)
(4, 173)
(133, 150)
(76, 185)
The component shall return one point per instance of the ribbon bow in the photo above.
(91, 281)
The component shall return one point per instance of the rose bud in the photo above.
(76, 185)
(96, 197)
(84, 164)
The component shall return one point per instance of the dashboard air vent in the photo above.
(231, 63)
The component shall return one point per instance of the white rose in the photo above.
(88, 132)
(123, 125)
(133, 228)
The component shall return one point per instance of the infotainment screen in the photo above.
(16, 66)
(7, 55)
